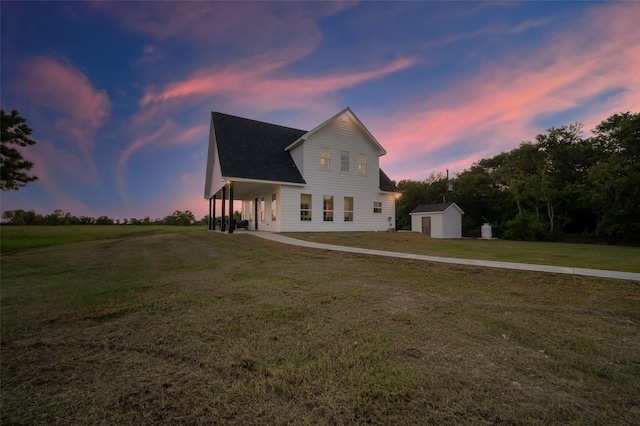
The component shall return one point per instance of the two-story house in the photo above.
(290, 180)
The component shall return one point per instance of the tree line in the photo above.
(560, 186)
(58, 217)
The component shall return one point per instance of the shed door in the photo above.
(426, 225)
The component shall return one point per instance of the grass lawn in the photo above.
(592, 256)
(21, 237)
(197, 327)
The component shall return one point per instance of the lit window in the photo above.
(344, 161)
(327, 208)
(262, 209)
(325, 159)
(348, 209)
(305, 207)
(377, 207)
(273, 207)
(362, 164)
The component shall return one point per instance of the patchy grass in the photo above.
(204, 328)
(23, 237)
(592, 256)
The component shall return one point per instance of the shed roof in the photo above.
(434, 208)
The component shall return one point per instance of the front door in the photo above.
(426, 225)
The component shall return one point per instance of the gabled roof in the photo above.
(251, 149)
(255, 150)
(348, 115)
(435, 208)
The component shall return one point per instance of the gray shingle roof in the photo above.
(431, 208)
(253, 149)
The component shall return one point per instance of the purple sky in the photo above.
(119, 94)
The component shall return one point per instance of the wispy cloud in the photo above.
(499, 107)
(263, 90)
(79, 108)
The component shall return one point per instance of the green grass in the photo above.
(22, 237)
(592, 256)
(201, 327)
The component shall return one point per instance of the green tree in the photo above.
(179, 217)
(614, 179)
(14, 168)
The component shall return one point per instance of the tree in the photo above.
(14, 167)
(179, 217)
(614, 179)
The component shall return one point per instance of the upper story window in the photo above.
(325, 159)
(344, 161)
(362, 164)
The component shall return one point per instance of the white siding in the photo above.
(452, 227)
(447, 224)
(248, 209)
(338, 135)
(297, 154)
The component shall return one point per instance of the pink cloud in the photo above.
(59, 86)
(259, 88)
(501, 103)
(79, 108)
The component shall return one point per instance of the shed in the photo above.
(437, 220)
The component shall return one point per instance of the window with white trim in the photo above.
(377, 207)
(362, 164)
(325, 159)
(348, 209)
(273, 207)
(327, 208)
(344, 161)
(305, 207)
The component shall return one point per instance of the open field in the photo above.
(200, 327)
(21, 237)
(592, 256)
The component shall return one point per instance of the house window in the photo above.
(344, 161)
(348, 209)
(327, 208)
(325, 159)
(377, 207)
(273, 207)
(362, 164)
(262, 209)
(305, 207)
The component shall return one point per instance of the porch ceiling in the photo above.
(247, 190)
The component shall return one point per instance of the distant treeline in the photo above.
(562, 186)
(58, 217)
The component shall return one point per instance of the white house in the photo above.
(437, 220)
(290, 180)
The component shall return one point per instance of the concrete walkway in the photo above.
(471, 262)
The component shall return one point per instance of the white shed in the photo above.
(437, 220)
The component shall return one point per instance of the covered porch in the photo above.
(258, 204)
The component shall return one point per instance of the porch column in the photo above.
(209, 226)
(223, 225)
(213, 215)
(232, 224)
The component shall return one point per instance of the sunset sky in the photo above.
(119, 94)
